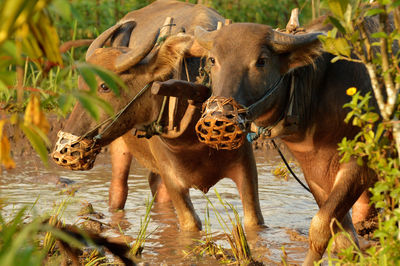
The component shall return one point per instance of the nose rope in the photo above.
(289, 168)
(252, 107)
(266, 131)
(114, 118)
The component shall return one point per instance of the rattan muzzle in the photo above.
(221, 125)
(74, 153)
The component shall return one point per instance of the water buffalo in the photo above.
(287, 81)
(175, 154)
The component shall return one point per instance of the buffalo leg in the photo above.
(121, 160)
(342, 241)
(188, 219)
(362, 209)
(246, 179)
(346, 190)
(158, 188)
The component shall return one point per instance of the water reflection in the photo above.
(287, 208)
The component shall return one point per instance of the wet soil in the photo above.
(287, 208)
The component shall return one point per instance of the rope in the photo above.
(260, 131)
(288, 167)
(114, 118)
(155, 128)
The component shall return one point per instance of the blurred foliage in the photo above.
(274, 13)
(20, 240)
(377, 144)
(97, 15)
(35, 76)
(93, 17)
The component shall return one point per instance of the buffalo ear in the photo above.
(300, 57)
(196, 50)
(170, 56)
(295, 50)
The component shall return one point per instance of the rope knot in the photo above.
(261, 131)
(155, 128)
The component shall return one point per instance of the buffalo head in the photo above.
(82, 137)
(250, 62)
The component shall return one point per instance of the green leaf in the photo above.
(65, 102)
(379, 132)
(37, 141)
(379, 35)
(373, 12)
(397, 78)
(347, 18)
(110, 78)
(338, 7)
(93, 104)
(8, 77)
(62, 8)
(342, 47)
(89, 71)
(370, 117)
(88, 75)
(337, 24)
(335, 59)
(8, 47)
(87, 102)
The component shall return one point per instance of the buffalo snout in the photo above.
(222, 124)
(75, 153)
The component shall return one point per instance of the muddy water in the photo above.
(287, 208)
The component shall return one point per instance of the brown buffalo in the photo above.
(286, 81)
(175, 154)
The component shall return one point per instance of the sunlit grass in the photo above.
(138, 246)
(232, 227)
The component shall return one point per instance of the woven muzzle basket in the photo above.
(221, 126)
(74, 153)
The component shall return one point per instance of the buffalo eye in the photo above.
(104, 88)
(261, 62)
(211, 60)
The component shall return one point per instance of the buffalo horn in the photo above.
(293, 23)
(283, 43)
(204, 38)
(134, 56)
(101, 40)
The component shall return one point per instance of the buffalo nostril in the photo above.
(64, 161)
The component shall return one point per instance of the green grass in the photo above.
(138, 246)
(240, 252)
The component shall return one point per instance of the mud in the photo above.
(287, 208)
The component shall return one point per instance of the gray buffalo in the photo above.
(177, 160)
(287, 82)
